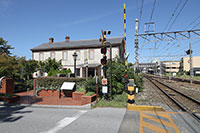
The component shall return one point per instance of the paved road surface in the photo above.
(20, 119)
(51, 120)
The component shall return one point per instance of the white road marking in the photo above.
(64, 122)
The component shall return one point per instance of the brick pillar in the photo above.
(35, 85)
(7, 86)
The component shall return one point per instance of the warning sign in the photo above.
(104, 81)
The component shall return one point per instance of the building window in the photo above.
(78, 53)
(65, 55)
(91, 54)
(78, 72)
(52, 55)
(41, 58)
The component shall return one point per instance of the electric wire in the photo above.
(178, 14)
(196, 25)
(172, 14)
(140, 18)
(193, 22)
(183, 48)
(177, 6)
(154, 4)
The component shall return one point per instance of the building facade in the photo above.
(88, 51)
(170, 66)
(185, 63)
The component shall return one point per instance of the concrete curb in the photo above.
(144, 108)
(87, 106)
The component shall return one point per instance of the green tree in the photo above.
(27, 67)
(50, 63)
(8, 66)
(118, 76)
(4, 48)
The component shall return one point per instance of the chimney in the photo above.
(67, 38)
(51, 40)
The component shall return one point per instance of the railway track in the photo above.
(176, 79)
(186, 103)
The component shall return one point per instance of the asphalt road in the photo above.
(20, 119)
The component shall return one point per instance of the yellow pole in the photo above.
(125, 28)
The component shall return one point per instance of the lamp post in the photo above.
(75, 57)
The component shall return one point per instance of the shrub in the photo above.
(80, 89)
(139, 82)
(90, 84)
(89, 93)
(56, 82)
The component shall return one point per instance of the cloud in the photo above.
(93, 18)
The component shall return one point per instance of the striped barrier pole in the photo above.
(131, 97)
(126, 67)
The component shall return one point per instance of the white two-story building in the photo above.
(87, 51)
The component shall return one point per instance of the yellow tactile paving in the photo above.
(148, 115)
(198, 114)
(144, 108)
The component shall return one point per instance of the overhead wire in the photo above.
(140, 16)
(196, 25)
(154, 4)
(173, 14)
(182, 49)
(177, 6)
(193, 22)
(178, 14)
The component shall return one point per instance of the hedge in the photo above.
(56, 82)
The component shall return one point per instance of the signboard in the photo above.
(104, 89)
(104, 81)
(1, 81)
(67, 86)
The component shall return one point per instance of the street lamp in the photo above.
(75, 57)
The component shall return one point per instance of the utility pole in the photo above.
(110, 71)
(136, 46)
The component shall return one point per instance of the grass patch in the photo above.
(89, 93)
(188, 77)
(81, 89)
(119, 101)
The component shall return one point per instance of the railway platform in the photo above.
(144, 121)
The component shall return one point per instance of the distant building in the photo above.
(170, 66)
(89, 52)
(148, 67)
(185, 63)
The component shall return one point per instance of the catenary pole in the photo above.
(136, 46)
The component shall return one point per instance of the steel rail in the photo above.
(175, 101)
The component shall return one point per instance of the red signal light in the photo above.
(104, 60)
(103, 50)
(125, 75)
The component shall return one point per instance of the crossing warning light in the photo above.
(104, 60)
(125, 75)
(104, 50)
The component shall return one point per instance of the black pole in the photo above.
(110, 71)
(75, 68)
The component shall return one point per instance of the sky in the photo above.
(26, 24)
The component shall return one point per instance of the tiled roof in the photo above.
(76, 44)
